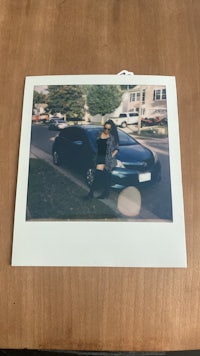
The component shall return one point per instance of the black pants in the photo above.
(102, 180)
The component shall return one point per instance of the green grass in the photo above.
(154, 131)
(53, 196)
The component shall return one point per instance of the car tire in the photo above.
(56, 158)
(123, 124)
(89, 176)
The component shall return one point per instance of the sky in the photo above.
(41, 88)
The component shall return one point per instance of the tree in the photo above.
(66, 99)
(38, 98)
(103, 99)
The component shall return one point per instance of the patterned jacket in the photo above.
(110, 162)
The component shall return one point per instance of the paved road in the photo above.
(156, 199)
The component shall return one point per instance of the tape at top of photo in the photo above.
(125, 72)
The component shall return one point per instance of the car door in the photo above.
(73, 148)
(80, 149)
(63, 145)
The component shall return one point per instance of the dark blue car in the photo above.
(136, 164)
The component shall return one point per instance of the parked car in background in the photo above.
(57, 123)
(126, 118)
(153, 121)
(43, 118)
(35, 119)
(136, 164)
(74, 119)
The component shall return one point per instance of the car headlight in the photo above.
(119, 164)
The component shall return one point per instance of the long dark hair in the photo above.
(113, 130)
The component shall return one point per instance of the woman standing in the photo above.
(107, 148)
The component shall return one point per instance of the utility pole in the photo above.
(140, 112)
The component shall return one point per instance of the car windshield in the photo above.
(124, 139)
(57, 118)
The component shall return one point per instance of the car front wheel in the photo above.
(124, 124)
(56, 158)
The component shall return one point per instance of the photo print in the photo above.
(98, 157)
(66, 123)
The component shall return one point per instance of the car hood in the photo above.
(134, 153)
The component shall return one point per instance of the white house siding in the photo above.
(150, 107)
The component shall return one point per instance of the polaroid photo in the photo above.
(99, 175)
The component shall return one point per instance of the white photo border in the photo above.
(96, 244)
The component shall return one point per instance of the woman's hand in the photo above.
(114, 153)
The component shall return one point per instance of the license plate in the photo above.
(144, 177)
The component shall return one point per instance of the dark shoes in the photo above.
(90, 196)
(103, 196)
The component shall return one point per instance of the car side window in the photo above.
(67, 133)
(73, 134)
(79, 136)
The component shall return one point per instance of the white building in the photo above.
(148, 101)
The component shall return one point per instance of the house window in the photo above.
(135, 96)
(164, 96)
(143, 96)
(159, 94)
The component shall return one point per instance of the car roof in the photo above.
(86, 127)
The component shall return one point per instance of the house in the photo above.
(148, 101)
(39, 109)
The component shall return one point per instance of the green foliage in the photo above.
(38, 98)
(63, 200)
(66, 99)
(103, 99)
